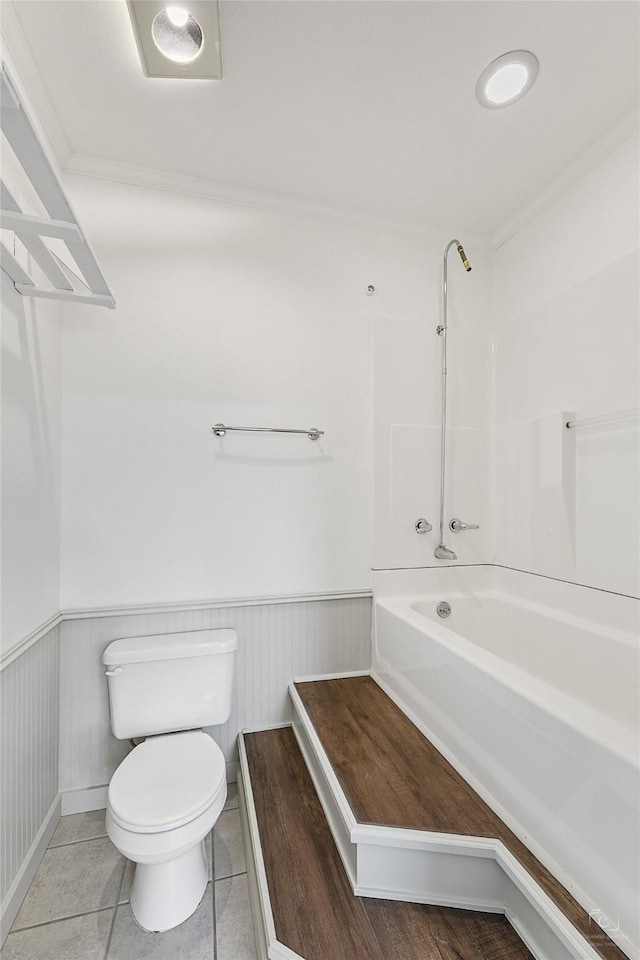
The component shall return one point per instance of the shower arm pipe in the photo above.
(442, 331)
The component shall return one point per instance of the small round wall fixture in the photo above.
(507, 79)
(177, 35)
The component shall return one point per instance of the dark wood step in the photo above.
(314, 910)
(393, 776)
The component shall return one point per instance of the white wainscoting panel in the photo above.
(276, 642)
(29, 754)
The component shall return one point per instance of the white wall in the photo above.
(224, 313)
(31, 391)
(30, 424)
(565, 318)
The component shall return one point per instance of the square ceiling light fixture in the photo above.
(178, 39)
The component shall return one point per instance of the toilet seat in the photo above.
(166, 782)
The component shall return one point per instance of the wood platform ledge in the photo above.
(407, 828)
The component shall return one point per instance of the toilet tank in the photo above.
(170, 682)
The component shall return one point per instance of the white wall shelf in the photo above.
(88, 285)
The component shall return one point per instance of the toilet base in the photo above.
(164, 895)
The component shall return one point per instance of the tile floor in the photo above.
(77, 907)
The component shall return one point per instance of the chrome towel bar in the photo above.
(220, 429)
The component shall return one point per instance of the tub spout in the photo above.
(443, 553)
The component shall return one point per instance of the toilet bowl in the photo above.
(163, 800)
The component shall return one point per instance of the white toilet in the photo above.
(166, 795)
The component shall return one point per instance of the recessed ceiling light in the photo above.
(507, 79)
(178, 39)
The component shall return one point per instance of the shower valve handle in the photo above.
(423, 526)
(458, 525)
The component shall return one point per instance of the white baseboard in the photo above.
(233, 768)
(331, 676)
(84, 799)
(18, 889)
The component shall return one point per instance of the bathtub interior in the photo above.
(593, 662)
(581, 641)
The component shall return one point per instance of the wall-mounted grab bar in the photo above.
(606, 418)
(220, 429)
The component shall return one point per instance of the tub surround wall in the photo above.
(406, 413)
(275, 643)
(565, 318)
(545, 324)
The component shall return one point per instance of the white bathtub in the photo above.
(531, 689)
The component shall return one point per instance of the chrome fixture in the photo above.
(423, 526)
(458, 525)
(443, 609)
(220, 429)
(441, 552)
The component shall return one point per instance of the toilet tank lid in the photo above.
(170, 646)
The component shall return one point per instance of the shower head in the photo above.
(463, 257)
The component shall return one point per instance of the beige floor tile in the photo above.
(208, 845)
(192, 940)
(228, 850)
(127, 880)
(232, 797)
(74, 879)
(79, 826)
(234, 926)
(79, 938)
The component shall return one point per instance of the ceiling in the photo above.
(357, 105)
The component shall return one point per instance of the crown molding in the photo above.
(580, 168)
(155, 179)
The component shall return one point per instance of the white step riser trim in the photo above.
(421, 876)
(339, 824)
(417, 876)
(267, 944)
(259, 891)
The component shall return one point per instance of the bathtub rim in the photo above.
(617, 634)
(614, 736)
